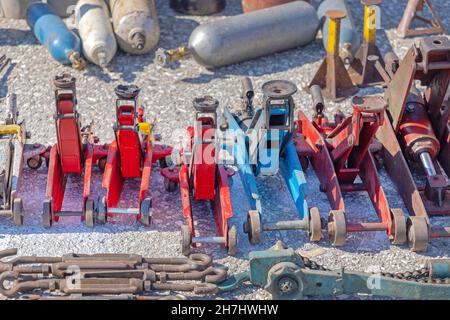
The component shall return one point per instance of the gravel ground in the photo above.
(167, 95)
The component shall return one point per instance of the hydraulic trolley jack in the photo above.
(419, 135)
(262, 146)
(288, 276)
(202, 178)
(13, 149)
(130, 156)
(75, 153)
(339, 154)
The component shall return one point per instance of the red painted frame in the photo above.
(339, 152)
(121, 163)
(61, 164)
(202, 181)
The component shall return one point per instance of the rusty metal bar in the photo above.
(107, 274)
(367, 226)
(286, 225)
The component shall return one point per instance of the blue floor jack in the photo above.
(263, 146)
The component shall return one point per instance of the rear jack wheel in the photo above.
(315, 225)
(337, 228)
(101, 211)
(232, 240)
(47, 216)
(253, 227)
(34, 162)
(89, 213)
(399, 227)
(146, 207)
(18, 212)
(170, 185)
(186, 240)
(418, 233)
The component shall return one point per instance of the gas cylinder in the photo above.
(253, 5)
(95, 29)
(63, 8)
(248, 36)
(135, 24)
(350, 40)
(14, 9)
(198, 7)
(63, 44)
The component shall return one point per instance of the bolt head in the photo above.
(287, 285)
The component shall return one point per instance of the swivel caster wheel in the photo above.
(18, 212)
(186, 240)
(418, 233)
(253, 227)
(314, 225)
(337, 228)
(47, 216)
(232, 240)
(399, 227)
(89, 214)
(146, 207)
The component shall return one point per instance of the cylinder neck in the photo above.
(138, 41)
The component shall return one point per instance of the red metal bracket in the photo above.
(340, 154)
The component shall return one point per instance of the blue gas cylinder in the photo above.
(64, 45)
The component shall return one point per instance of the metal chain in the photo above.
(313, 265)
(419, 275)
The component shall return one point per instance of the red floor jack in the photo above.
(130, 156)
(339, 153)
(202, 179)
(421, 124)
(75, 153)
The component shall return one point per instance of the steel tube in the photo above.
(427, 164)
(366, 226)
(96, 32)
(68, 213)
(136, 25)
(62, 43)
(248, 36)
(285, 225)
(216, 240)
(123, 211)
